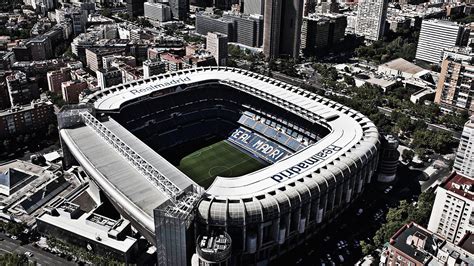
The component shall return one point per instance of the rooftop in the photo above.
(416, 242)
(461, 185)
(403, 65)
(84, 226)
(467, 243)
(430, 249)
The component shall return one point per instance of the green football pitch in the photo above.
(218, 159)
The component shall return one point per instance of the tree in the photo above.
(106, 12)
(11, 259)
(407, 155)
(349, 80)
(52, 130)
(403, 214)
(367, 248)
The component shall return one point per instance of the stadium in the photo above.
(220, 151)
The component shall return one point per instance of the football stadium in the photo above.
(249, 165)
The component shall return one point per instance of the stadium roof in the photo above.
(119, 173)
(346, 131)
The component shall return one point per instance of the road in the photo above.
(8, 245)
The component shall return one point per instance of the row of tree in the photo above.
(397, 217)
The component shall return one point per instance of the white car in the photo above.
(29, 254)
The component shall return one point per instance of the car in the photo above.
(341, 258)
(298, 261)
(387, 190)
(29, 254)
(359, 212)
(14, 237)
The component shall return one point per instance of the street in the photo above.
(41, 257)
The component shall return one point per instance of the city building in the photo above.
(55, 78)
(321, 31)
(22, 53)
(179, 9)
(388, 162)
(399, 68)
(79, 21)
(247, 29)
(109, 59)
(459, 53)
(463, 162)
(94, 56)
(314, 34)
(153, 67)
(216, 44)
(129, 73)
(72, 89)
(40, 48)
(414, 245)
(240, 28)
(173, 62)
(21, 89)
(455, 89)
(453, 209)
(252, 7)
(282, 28)
(109, 77)
(371, 16)
(135, 7)
(4, 97)
(157, 11)
(206, 23)
(99, 234)
(27, 118)
(437, 35)
(14, 175)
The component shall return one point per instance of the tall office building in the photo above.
(282, 28)
(216, 44)
(179, 9)
(453, 209)
(314, 34)
(135, 7)
(465, 154)
(253, 7)
(437, 35)
(157, 11)
(371, 16)
(206, 23)
(247, 29)
(455, 90)
(320, 31)
(21, 89)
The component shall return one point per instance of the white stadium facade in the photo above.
(265, 213)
